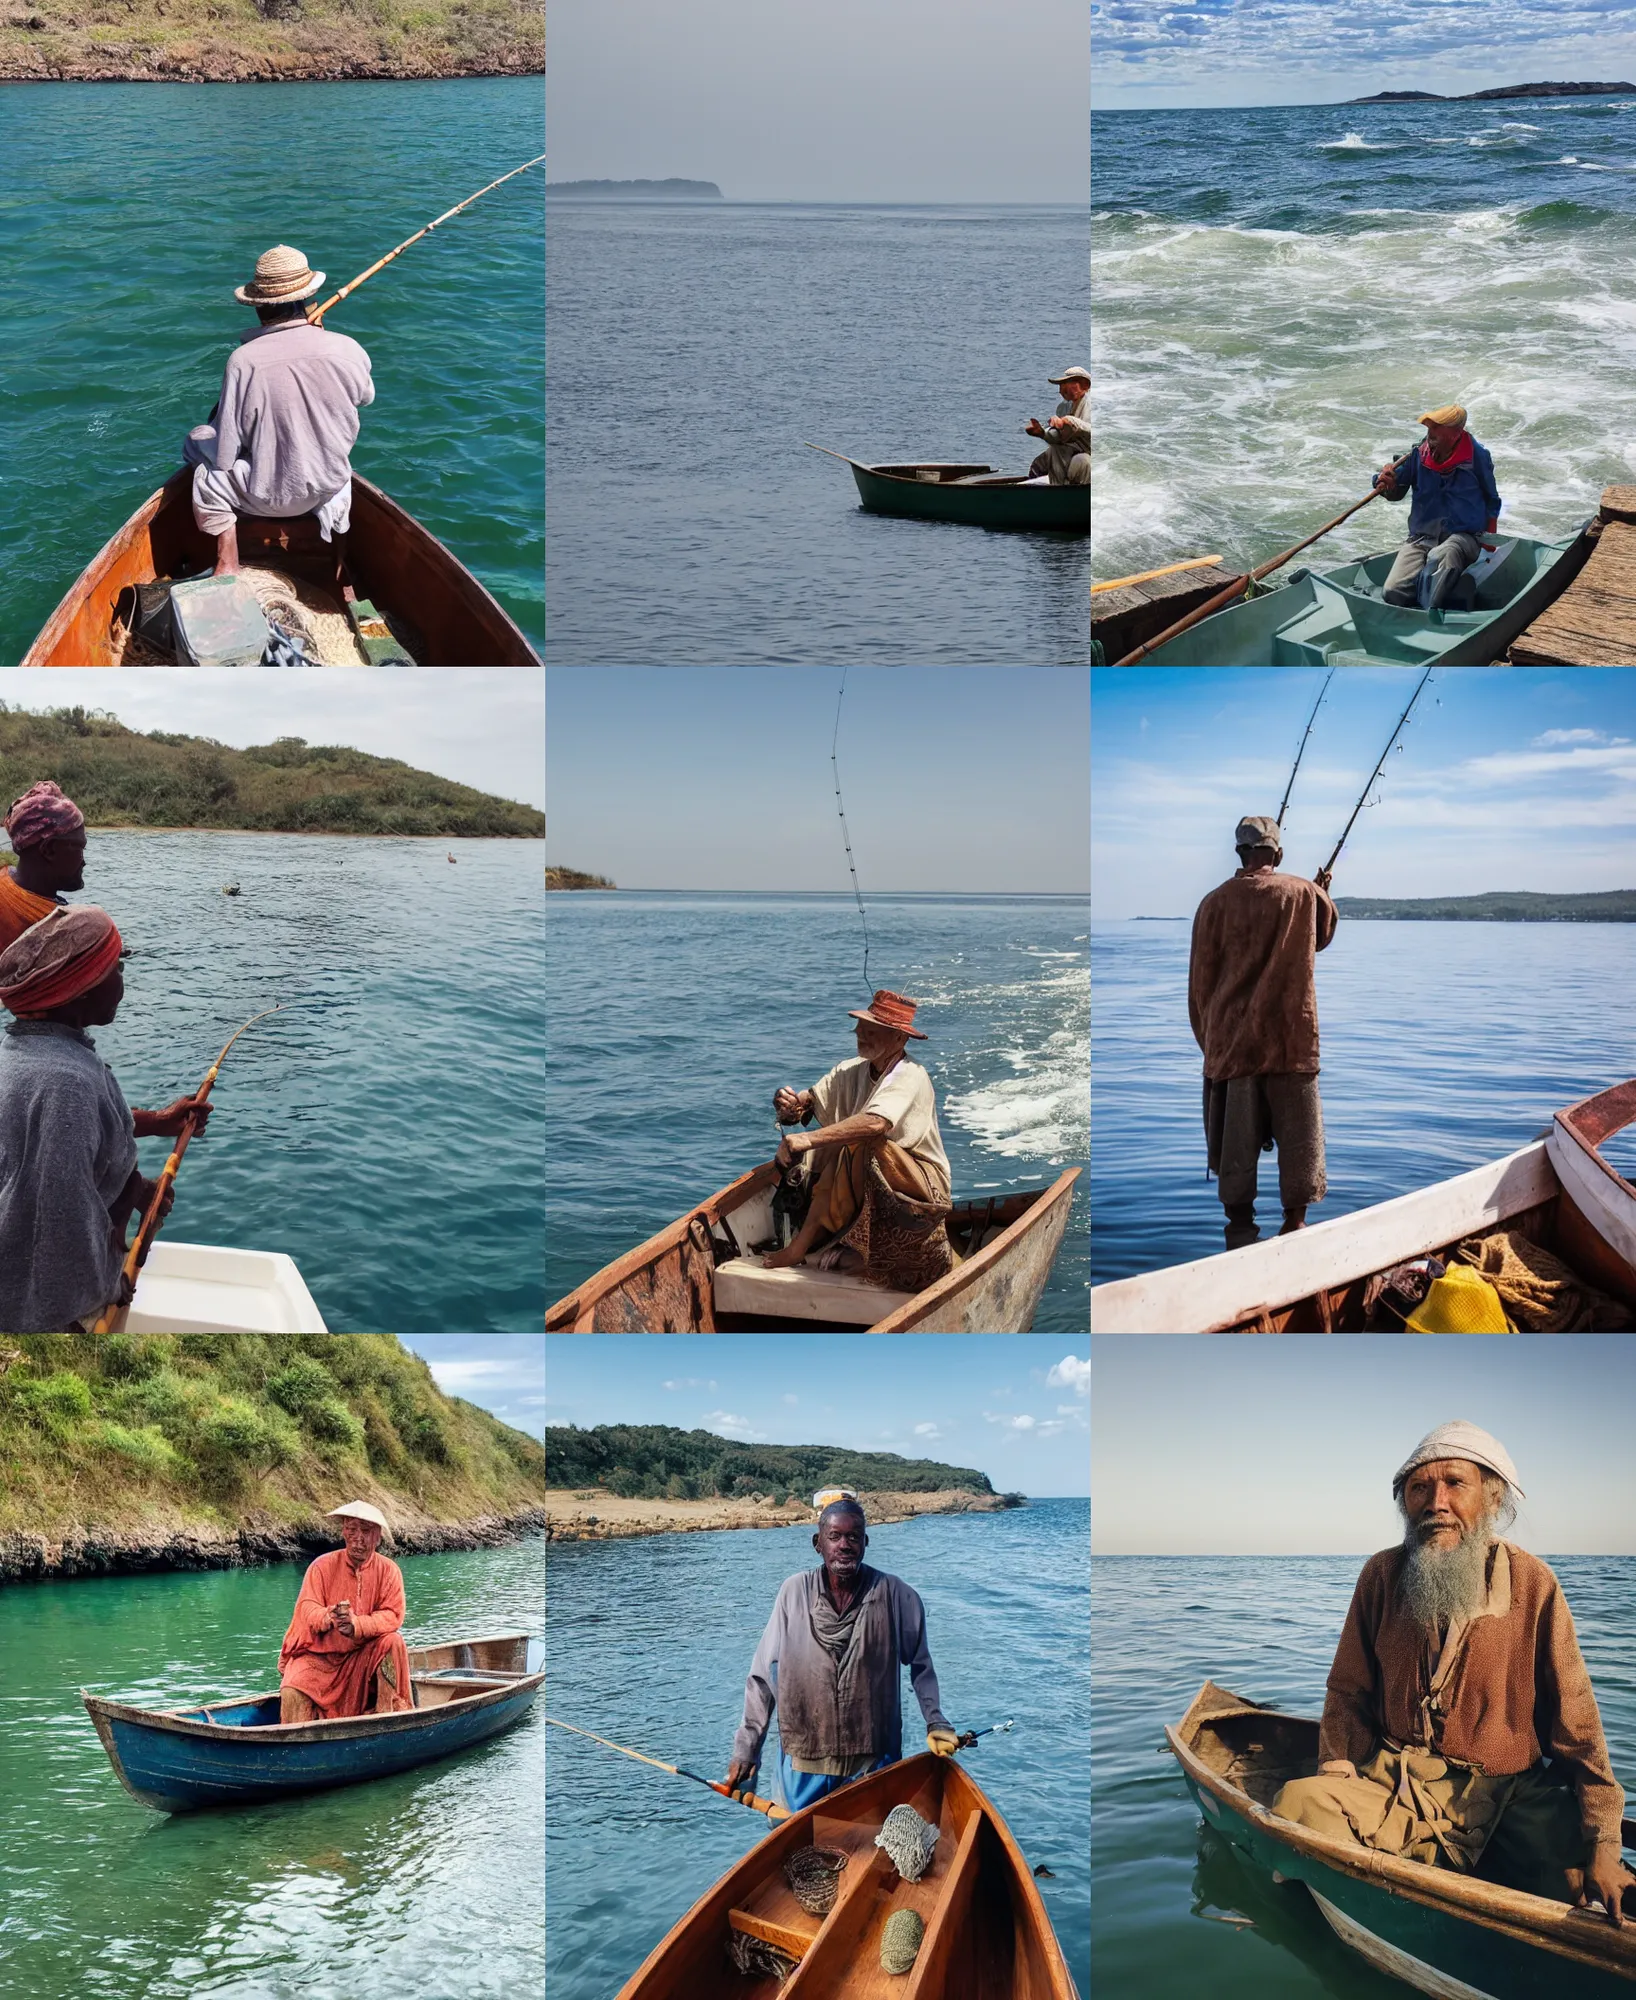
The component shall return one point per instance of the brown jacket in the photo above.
(1505, 1687)
(1250, 990)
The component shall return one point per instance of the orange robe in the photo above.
(19, 908)
(335, 1673)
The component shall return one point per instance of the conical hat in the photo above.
(359, 1510)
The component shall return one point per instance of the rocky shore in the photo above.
(220, 64)
(587, 1516)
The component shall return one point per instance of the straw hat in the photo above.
(359, 1510)
(282, 276)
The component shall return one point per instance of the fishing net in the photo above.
(756, 1957)
(909, 1840)
(813, 1874)
(309, 615)
(900, 1941)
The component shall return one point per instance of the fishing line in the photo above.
(846, 837)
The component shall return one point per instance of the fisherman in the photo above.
(344, 1652)
(69, 1181)
(1067, 457)
(880, 1191)
(1457, 1677)
(830, 1659)
(1454, 513)
(47, 833)
(1253, 1003)
(278, 442)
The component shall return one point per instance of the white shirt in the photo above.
(903, 1096)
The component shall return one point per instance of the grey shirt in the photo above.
(67, 1147)
(289, 409)
(843, 1709)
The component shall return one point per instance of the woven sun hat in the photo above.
(1460, 1440)
(1450, 413)
(282, 276)
(359, 1510)
(890, 1010)
(1070, 375)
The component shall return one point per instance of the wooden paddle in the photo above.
(770, 1807)
(1148, 575)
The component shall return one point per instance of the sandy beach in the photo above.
(593, 1516)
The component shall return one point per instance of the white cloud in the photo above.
(452, 1377)
(731, 1426)
(689, 1382)
(1018, 1423)
(927, 1431)
(791, 1400)
(1554, 736)
(1071, 1373)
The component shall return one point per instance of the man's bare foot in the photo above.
(783, 1260)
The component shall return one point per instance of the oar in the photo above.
(1329, 865)
(1240, 584)
(841, 455)
(1148, 575)
(137, 1255)
(773, 1811)
(316, 314)
(1311, 719)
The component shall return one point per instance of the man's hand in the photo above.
(788, 1105)
(341, 1617)
(145, 1192)
(1386, 483)
(942, 1742)
(324, 1625)
(1323, 878)
(792, 1148)
(1605, 1879)
(739, 1776)
(167, 1124)
(1056, 423)
(1034, 428)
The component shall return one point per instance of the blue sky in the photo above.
(963, 778)
(1287, 1446)
(1510, 778)
(1011, 1405)
(1155, 53)
(501, 1372)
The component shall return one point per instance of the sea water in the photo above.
(130, 211)
(693, 348)
(649, 1643)
(661, 1073)
(1277, 294)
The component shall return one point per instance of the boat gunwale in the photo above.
(1573, 1120)
(977, 1266)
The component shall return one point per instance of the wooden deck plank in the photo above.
(1129, 617)
(1593, 622)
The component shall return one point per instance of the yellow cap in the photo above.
(1460, 1302)
(1450, 413)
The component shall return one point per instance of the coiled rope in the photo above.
(756, 1957)
(814, 1874)
(909, 1840)
(900, 1940)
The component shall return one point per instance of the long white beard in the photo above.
(1439, 1585)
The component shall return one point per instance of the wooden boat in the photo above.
(1558, 1192)
(237, 1752)
(974, 494)
(199, 1288)
(1452, 1936)
(987, 1936)
(701, 1275)
(1338, 618)
(437, 608)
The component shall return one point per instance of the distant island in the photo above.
(671, 190)
(1499, 906)
(1504, 91)
(571, 878)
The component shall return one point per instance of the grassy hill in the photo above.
(573, 878)
(1503, 906)
(241, 40)
(156, 1433)
(118, 777)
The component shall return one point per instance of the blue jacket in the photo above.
(1462, 502)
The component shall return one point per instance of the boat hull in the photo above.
(994, 501)
(200, 1288)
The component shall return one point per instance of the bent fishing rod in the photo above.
(316, 315)
(1300, 753)
(1329, 865)
(137, 1255)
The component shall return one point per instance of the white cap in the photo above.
(1068, 375)
(359, 1510)
(1460, 1440)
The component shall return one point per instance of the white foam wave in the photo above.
(1041, 1113)
(1354, 142)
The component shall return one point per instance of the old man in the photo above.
(344, 1652)
(1460, 1728)
(831, 1659)
(1453, 513)
(1253, 1001)
(880, 1187)
(1066, 460)
(47, 834)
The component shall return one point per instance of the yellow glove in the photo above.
(942, 1742)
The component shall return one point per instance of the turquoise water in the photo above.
(128, 212)
(1265, 1627)
(425, 1883)
(649, 1643)
(388, 1137)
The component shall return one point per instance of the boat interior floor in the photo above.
(431, 1690)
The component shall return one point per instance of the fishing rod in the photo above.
(968, 1737)
(846, 837)
(773, 1810)
(1329, 865)
(316, 315)
(137, 1255)
(1311, 719)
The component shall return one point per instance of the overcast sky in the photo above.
(500, 1372)
(1288, 1446)
(854, 100)
(1157, 53)
(960, 778)
(481, 726)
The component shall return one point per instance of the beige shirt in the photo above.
(1077, 430)
(903, 1096)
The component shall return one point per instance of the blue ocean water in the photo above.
(388, 1137)
(693, 346)
(649, 1643)
(1170, 1898)
(128, 213)
(660, 1079)
(1278, 293)
(1444, 1045)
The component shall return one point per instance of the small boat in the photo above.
(702, 1274)
(1452, 1936)
(1558, 1192)
(974, 494)
(437, 609)
(1338, 618)
(200, 1288)
(236, 1752)
(987, 1936)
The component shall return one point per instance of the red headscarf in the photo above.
(40, 815)
(56, 960)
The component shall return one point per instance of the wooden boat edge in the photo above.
(965, 1275)
(56, 626)
(339, 1729)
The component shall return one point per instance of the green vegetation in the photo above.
(118, 777)
(657, 1462)
(1499, 906)
(571, 878)
(153, 1428)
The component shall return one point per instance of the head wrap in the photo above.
(56, 960)
(41, 814)
(1460, 1440)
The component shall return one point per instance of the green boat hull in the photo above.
(974, 495)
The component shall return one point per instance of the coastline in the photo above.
(585, 1516)
(218, 67)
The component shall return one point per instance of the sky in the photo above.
(1510, 778)
(854, 100)
(1206, 1446)
(1148, 54)
(956, 778)
(1013, 1405)
(481, 726)
(503, 1373)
